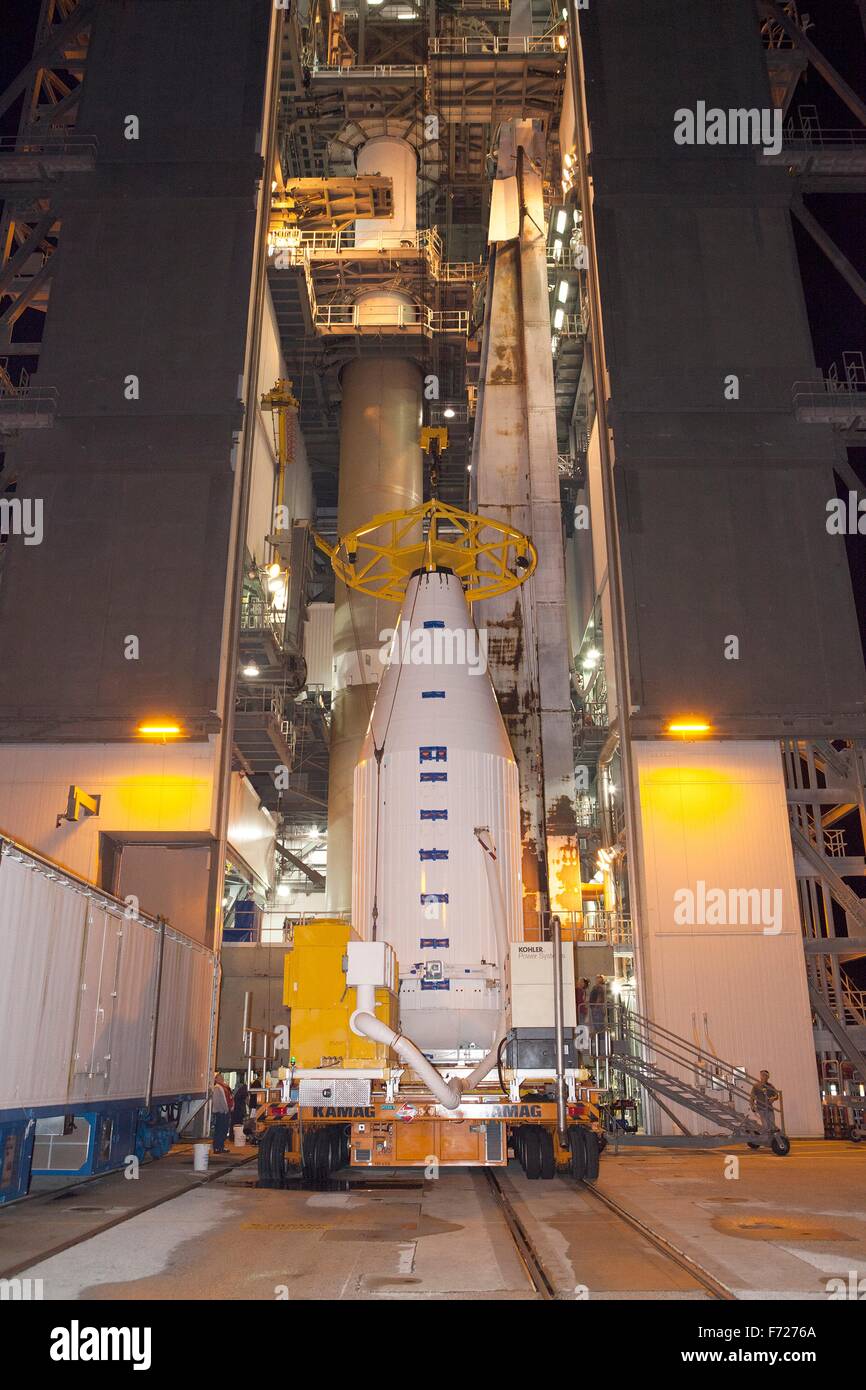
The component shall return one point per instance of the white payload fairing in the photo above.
(436, 788)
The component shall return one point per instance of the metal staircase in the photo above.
(834, 1020)
(825, 789)
(673, 1072)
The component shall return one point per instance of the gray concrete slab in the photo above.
(765, 1227)
(231, 1241)
(60, 1212)
(779, 1229)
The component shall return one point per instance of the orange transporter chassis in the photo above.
(415, 1131)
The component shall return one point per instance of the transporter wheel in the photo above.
(546, 1151)
(273, 1147)
(592, 1152)
(517, 1144)
(780, 1144)
(578, 1153)
(264, 1156)
(317, 1153)
(345, 1146)
(532, 1152)
(280, 1146)
(337, 1139)
(321, 1153)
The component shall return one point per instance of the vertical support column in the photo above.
(380, 470)
(517, 481)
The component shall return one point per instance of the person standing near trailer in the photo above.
(222, 1113)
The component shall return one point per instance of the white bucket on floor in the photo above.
(199, 1157)
(240, 1141)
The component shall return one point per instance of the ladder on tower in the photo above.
(676, 1073)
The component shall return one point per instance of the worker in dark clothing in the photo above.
(239, 1106)
(764, 1096)
(598, 1003)
(581, 999)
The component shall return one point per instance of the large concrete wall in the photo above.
(722, 503)
(729, 978)
(154, 281)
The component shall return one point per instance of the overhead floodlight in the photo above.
(688, 725)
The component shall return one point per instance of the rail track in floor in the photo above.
(541, 1279)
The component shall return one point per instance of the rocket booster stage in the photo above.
(436, 766)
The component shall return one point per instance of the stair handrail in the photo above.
(647, 1036)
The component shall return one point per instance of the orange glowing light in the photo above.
(160, 730)
(689, 726)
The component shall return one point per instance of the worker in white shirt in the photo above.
(221, 1114)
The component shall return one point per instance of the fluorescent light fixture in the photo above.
(159, 730)
(251, 669)
(557, 249)
(562, 292)
(448, 413)
(561, 220)
(283, 890)
(559, 318)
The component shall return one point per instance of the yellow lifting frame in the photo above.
(488, 556)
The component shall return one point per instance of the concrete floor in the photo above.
(62, 1212)
(778, 1230)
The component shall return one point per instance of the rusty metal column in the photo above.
(380, 471)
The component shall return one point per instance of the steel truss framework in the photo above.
(44, 151)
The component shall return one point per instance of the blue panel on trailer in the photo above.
(16, 1152)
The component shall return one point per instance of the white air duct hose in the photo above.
(365, 1023)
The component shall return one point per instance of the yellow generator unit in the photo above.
(315, 989)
